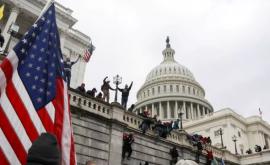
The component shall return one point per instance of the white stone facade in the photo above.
(249, 131)
(170, 88)
(25, 12)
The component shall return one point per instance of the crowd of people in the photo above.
(201, 143)
(91, 93)
(104, 95)
(196, 138)
(162, 129)
(257, 148)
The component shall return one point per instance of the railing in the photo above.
(89, 104)
(132, 119)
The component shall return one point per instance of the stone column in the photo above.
(116, 134)
(261, 138)
(168, 110)
(203, 111)
(185, 110)
(153, 110)
(199, 111)
(115, 143)
(11, 19)
(63, 39)
(176, 110)
(191, 109)
(160, 111)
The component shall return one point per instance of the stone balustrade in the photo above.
(89, 104)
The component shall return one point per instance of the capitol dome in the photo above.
(170, 88)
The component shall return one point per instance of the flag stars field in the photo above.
(28, 100)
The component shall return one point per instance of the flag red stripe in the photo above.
(72, 149)
(46, 120)
(12, 137)
(3, 159)
(58, 103)
(21, 111)
(7, 69)
(72, 152)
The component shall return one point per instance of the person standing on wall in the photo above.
(105, 88)
(67, 67)
(125, 94)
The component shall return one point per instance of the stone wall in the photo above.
(101, 140)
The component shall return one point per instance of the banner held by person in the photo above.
(34, 96)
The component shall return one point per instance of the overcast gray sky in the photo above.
(225, 44)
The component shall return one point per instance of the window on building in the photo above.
(165, 113)
(158, 89)
(242, 151)
(153, 91)
(171, 88)
(193, 91)
(164, 88)
(177, 88)
(183, 89)
(172, 112)
(143, 94)
(148, 92)
(188, 90)
(158, 111)
(217, 133)
(239, 134)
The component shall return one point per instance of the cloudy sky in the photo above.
(225, 44)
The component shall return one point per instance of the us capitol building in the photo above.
(170, 89)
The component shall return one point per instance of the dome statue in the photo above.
(170, 88)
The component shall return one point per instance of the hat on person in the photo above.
(44, 151)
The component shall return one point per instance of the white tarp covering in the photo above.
(186, 162)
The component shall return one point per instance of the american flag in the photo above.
(34, 95)
(88, 53)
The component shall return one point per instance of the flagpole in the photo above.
(49, 2)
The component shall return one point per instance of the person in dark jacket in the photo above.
(105, 88)
(44, 151)
(174, 155)
(99, 96)
(81, 88)
(130, 109)
(127, 142)
(92, 92)
(125, 94)
(67, 68)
